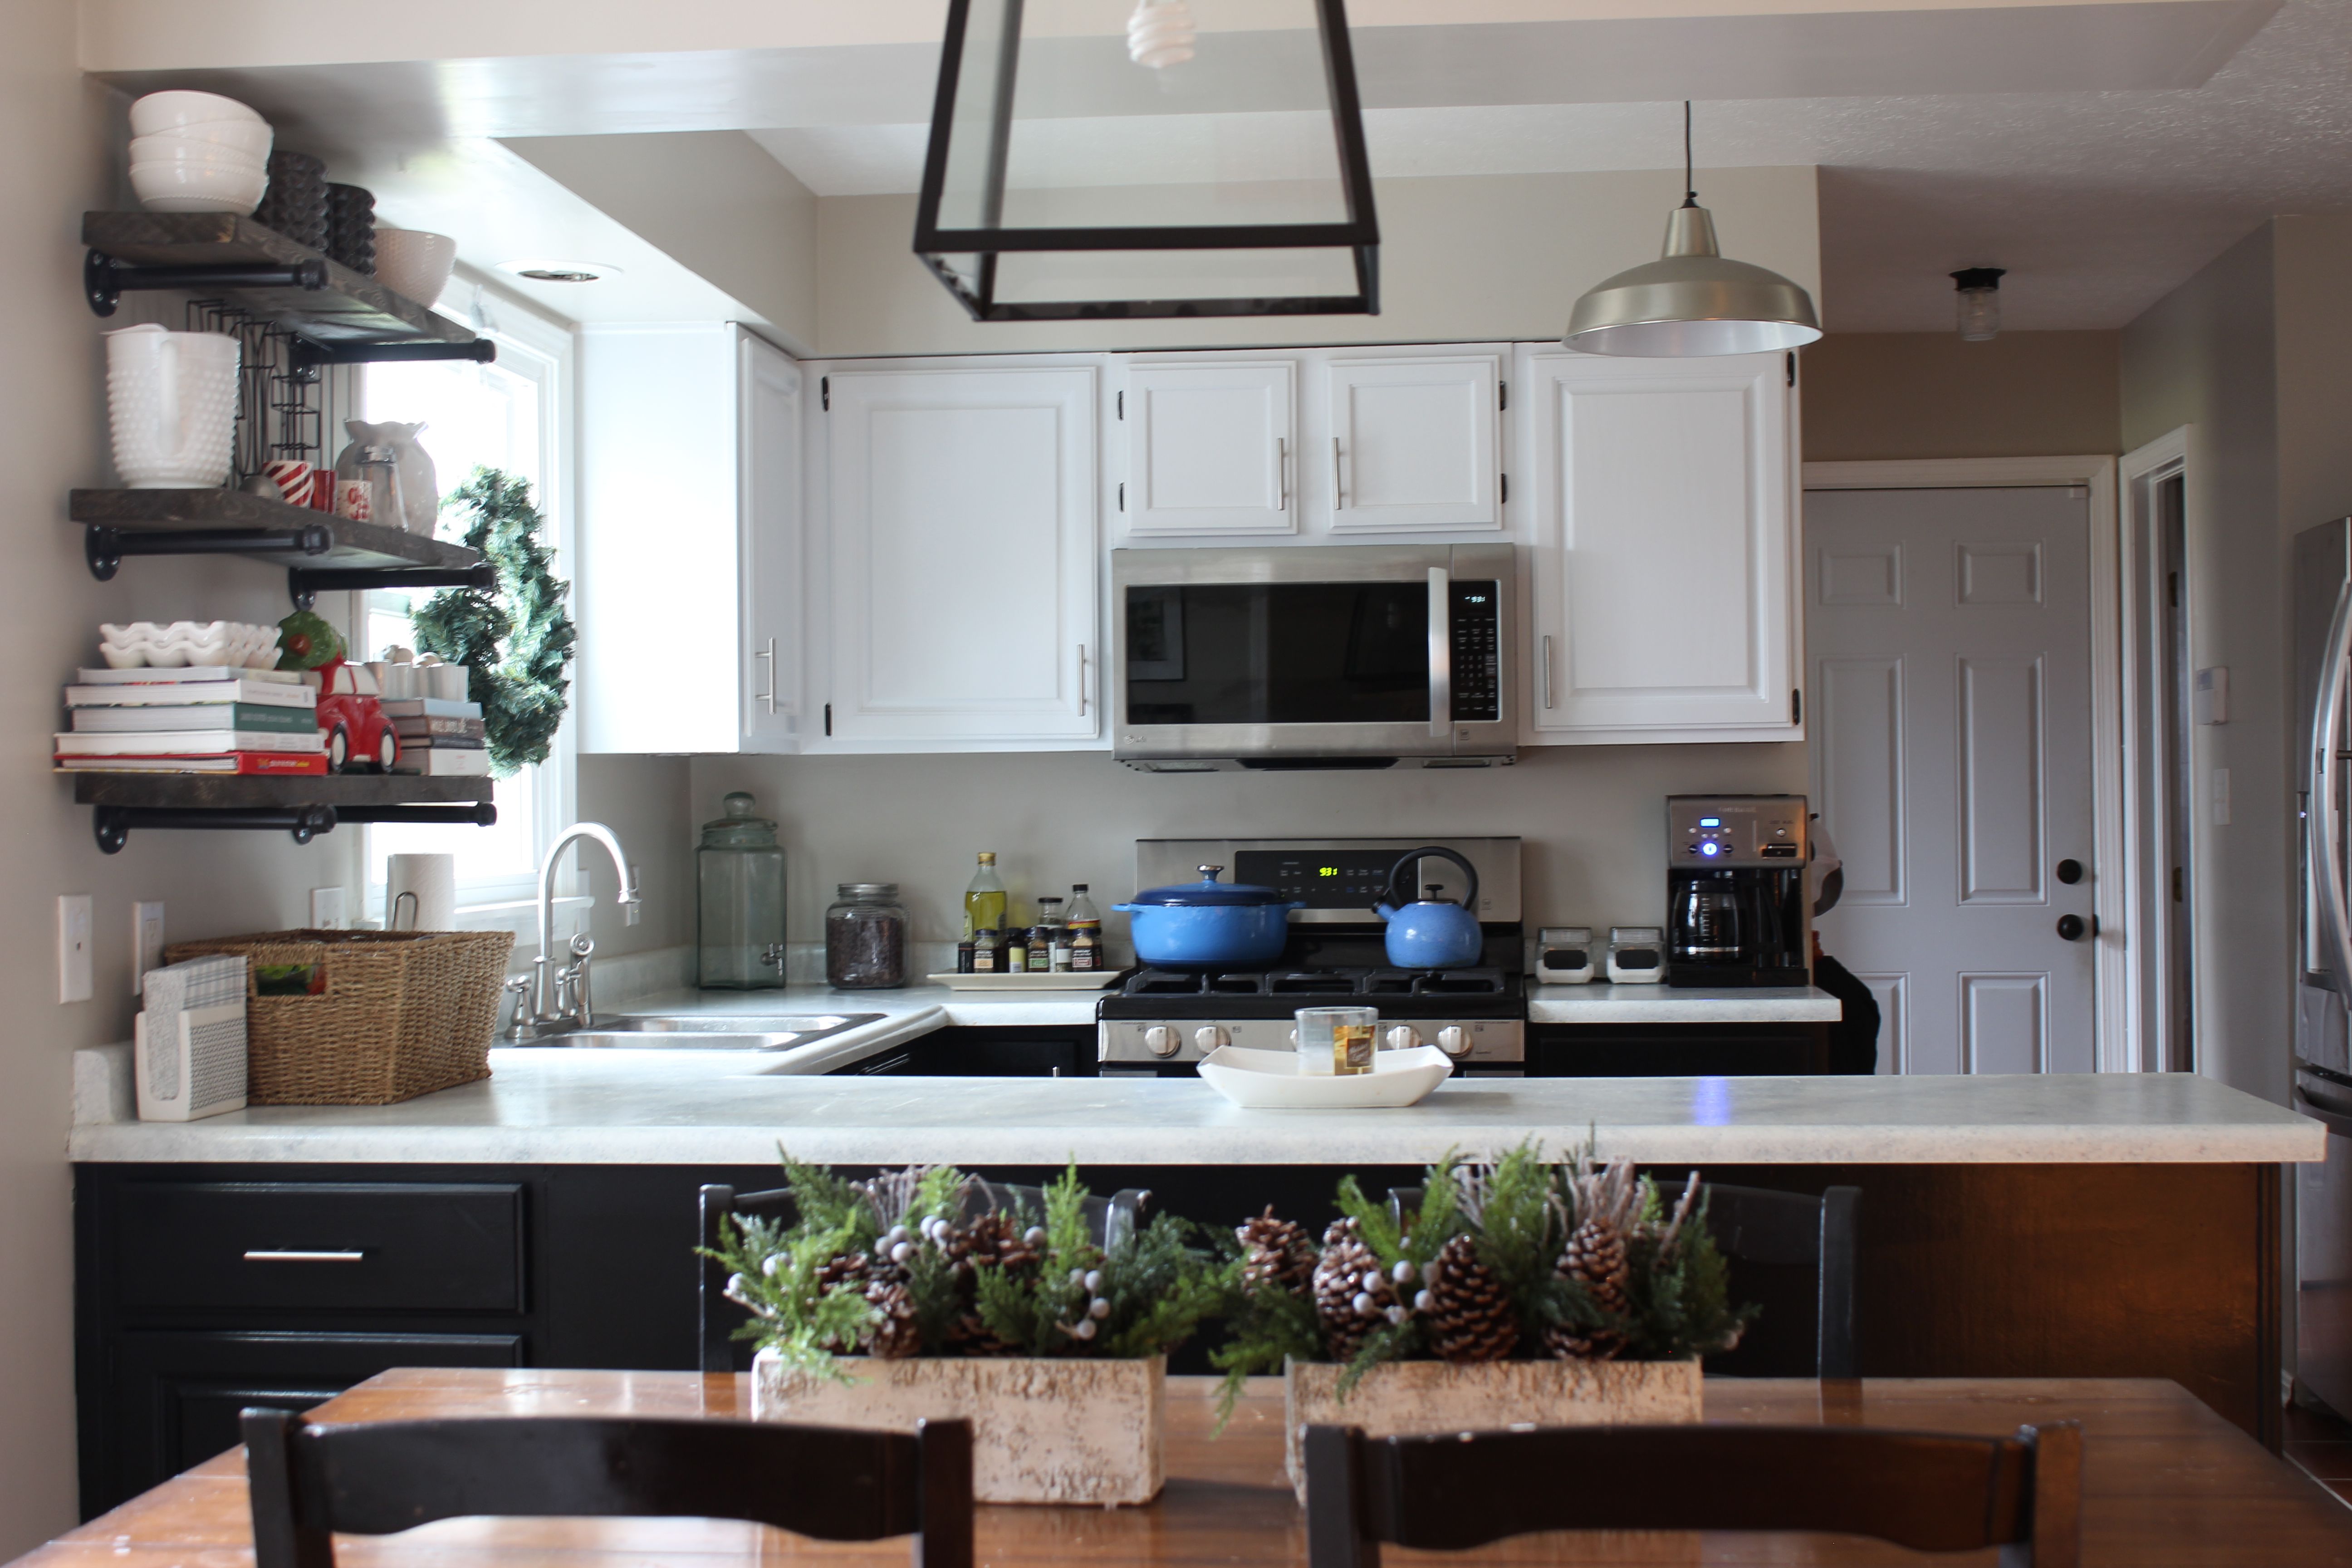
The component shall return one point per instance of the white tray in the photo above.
(1089, 980)
(1270, 1081)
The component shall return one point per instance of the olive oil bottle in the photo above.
(984, 901)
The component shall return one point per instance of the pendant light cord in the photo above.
(1690, 180)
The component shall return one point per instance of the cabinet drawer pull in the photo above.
(273, 1255)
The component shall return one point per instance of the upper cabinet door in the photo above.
(768, 388)
(962, 556)
(1414, 444)
(1662, 572)
(1212, 447)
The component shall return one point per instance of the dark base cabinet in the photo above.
(1676, 1050)
(201, 1289)
(1048, 1051)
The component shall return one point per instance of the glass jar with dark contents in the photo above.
(866, 938)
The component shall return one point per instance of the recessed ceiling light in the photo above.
(540, 271)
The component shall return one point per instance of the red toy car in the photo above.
(355, 721)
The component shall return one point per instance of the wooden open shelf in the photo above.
(305, 807)
(205, 511)
(351, 309)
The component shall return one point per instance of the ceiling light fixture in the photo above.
(1016, 224)
(542, 271)
(1980, 293)
(1692, 300)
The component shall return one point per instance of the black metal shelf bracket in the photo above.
(305, 584)
(463, 814)
(112, 824)
(309, 355)
(104, 547)
(105, 279)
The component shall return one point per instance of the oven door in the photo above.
(1337, 654)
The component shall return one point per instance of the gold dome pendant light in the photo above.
(1693, 300)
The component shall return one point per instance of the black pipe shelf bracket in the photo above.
(309, 355)
(112, 824)
(103, 547)
(305, 584)
(105, 279)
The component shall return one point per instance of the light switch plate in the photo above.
(2220, 798)
(146, 941)
(2211, 700)
(327, 910)
(73, 947)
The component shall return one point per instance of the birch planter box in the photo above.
(1416, 1398)
(1043, 1430)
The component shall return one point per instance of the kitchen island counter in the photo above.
(596, 1107)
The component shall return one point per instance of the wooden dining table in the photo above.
(2167, 1484)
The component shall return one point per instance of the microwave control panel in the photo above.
(1477, 621)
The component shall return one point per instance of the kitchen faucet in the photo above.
(553, 1000)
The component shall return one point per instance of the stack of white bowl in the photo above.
(198, 152)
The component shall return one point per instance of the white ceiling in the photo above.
(2098, 202)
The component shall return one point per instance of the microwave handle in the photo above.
(1441, 652)
(2326, 827)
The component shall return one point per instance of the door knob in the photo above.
(2070, 872)
(2071, 927)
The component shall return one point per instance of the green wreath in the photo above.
(516, 638)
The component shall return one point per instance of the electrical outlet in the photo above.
(327, 910)
(146, 941)
(73, 947)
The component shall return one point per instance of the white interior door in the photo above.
(1212, 447)
(1949, 634)
(1413, 443)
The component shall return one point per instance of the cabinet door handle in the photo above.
(1338, 496)
(1281, 474)
(1082, 680)
(769, 695)
(281, 1255)
(1543, 669)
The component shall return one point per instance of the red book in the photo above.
(311, 765)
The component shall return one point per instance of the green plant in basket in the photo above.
(903, 1265)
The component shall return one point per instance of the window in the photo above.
(511, 415)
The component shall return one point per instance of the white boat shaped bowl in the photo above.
(1270, 1081)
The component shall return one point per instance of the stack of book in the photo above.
(439, 738)
(202, 719)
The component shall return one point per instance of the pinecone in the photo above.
(849, 1271)
(1595, 1258)
(1274, 1253)
(1469, 1312)
(994, 1238)
(969, 1336)
(1352, 1292)
(898, 1335)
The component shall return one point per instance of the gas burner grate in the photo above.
(1342, 982)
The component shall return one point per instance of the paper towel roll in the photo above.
(430, 885)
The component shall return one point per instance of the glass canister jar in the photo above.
(866, 938)
(740, 902)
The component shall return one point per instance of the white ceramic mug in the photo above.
(420, 892)
(170, 403)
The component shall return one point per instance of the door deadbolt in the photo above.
(2070, 872)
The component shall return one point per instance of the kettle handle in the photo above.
(1410, 862)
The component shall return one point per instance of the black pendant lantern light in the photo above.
(1119, 162)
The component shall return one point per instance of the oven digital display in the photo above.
(1335, 879)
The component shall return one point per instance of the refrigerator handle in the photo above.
(2326, 828)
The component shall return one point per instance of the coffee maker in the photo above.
(1736, 908)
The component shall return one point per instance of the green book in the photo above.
(247, 716)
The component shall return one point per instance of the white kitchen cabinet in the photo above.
(963, 557)
(1212, 447)
(689, 578)
(1663, 572)
(1413, 443)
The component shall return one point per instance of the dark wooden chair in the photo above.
(1926, 1491)
(1111, 1221)
(830, 1482)
(1757, 1224)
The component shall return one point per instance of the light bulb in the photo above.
(1160, 33)
(1979, 302)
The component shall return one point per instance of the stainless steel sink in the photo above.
(709, 1032)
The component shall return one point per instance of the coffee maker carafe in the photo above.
(1735, 910)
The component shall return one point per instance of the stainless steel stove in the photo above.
(1163, 1021)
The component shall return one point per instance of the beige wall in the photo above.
(1885, 395)
(1462, 259)
(2314, 370)
(646, 802)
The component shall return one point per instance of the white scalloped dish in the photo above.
(1270, 1081)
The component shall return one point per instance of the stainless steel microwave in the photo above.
(1314, 657)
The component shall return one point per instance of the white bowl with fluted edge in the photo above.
(184, 106)
(1270, 1081)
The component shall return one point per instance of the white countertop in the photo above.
(682, 1108)
(1674, 1004)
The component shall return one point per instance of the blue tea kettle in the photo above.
(1430, 933)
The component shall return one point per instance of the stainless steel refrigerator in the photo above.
(2323, 1065)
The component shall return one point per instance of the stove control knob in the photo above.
(1162, 1041)
(1209, 1036)
(1454, 1040)
(1401, 1037)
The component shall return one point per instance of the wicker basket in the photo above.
(381, 1016)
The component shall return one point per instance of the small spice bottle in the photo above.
(967, 954)
(1042, 936)
(984, 951)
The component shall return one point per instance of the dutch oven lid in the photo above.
(1209, 893)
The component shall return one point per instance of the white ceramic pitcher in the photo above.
(171, 401)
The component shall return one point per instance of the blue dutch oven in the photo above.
(1209, 924)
